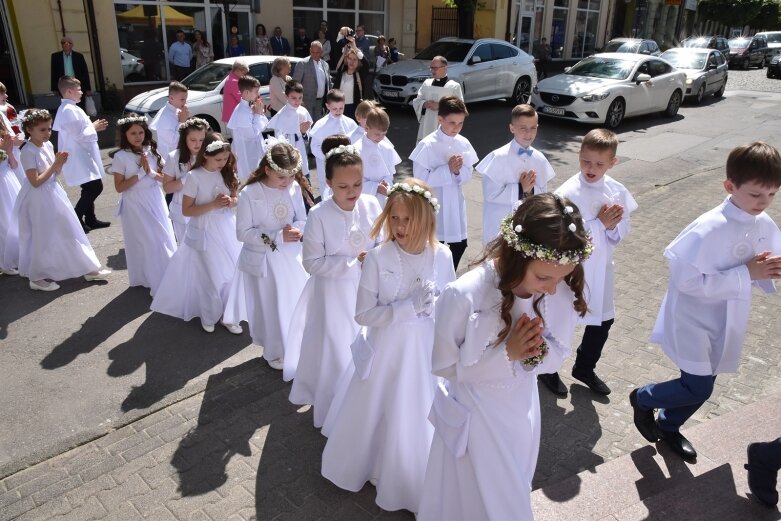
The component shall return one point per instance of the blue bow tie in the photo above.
(527, 151)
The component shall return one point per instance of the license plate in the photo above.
(553, 110)
(390, 94)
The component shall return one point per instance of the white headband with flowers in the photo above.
(194, 122)
(131, 119)
(417, 190)
(270, 142)
(342, 149)
(513, 236)
(214, 146)
(32, 115)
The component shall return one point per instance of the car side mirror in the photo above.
(566, 69)
(642, 78)
(645, 51)
(475, 59)
(712, 66)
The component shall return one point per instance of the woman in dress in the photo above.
(202, 50)
(261, 45)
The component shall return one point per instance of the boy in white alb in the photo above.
(704, 315)
(605, 205)
(78, 136)
(166, 122)
(361, 111)
(247, 124)
(513, 172)
(293, 121)
(378, 154)
(444, 159)
(335, 122)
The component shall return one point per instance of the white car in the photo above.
(606, 87)
(487, 69)
(132, 66)
(204, 96)
(706, 71)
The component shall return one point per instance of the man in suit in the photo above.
(279, 44)
(314, 74)
(70, 63)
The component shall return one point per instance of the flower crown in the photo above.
(417, 190)
(216, 145)
(131, 119)
(269, 143)
(32, 115)
(342, 149)
(512, 236)
(194, 122)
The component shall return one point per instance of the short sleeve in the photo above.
(29, 158)
(119, 164)
(191, 187)
(171, 164)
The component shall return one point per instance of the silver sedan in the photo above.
(706, 71)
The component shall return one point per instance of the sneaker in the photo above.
(209, 328)
(101, 274)
(51, 286)
(276, 363)
(10, 271)
(233, 328)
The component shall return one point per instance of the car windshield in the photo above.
(621, 47)
(609, 68)
(452, 51)
(685, 60)
(699, 43)
(207, 77)
(739, 43)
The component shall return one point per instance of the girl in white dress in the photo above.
(336, 240)
(52, 243)
(198, 278)
(377, 430)
(148, 235)
(270, 277)
(9, 190)
(497, 327)
(177, 168)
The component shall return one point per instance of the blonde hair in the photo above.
(422, 229)
(363, 108)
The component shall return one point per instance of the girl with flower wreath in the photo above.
(198, 278)
(377, 426)
(270, 222)
(9, 190)
(499, 325)
(336, 241)
(177, 168)
(52, 243)
(146, 230)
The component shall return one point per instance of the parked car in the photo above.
(132, 66)
(747, 51)
(487, 69)
(632, 45)
(774, 68)
(204, 96)
(606, 87)
(708, 42)
(706, 71)
(773, 40)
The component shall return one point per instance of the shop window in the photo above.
(558, 30)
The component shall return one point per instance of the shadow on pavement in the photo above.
(172, 353)
(126, 307)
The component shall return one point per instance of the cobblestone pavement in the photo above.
(239, 450)
(752, 79)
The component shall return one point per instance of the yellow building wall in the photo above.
(279, 13)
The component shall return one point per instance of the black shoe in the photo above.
(679, 444)
(761, 480)
(84, 227)
(593, 382)
(554, 383)
(94, 223)
(644, 419)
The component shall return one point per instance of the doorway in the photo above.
(9, 63)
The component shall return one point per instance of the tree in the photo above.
(769, 17)
(466, 16)
(732, 13)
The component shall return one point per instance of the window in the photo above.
(340, 13)
(586, 28)
(558, 27)
(502, 52)
(483, 52)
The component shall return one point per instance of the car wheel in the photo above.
(522, 91)
(719, 93)
(615, 113)
(700, 94)
(673, 105)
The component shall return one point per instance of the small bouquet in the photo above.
(534, 361)
(268, 241)
(3, 155)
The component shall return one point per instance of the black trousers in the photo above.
(457, 249)
(85, 206)
(590, 348)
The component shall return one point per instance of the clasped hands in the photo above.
(422, 298)
(525, 338)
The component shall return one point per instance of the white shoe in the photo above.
(209, 328)
(52, 286)
(276, 363)
(10, 271)
(233, 328)
(101, 274)
(373, 482)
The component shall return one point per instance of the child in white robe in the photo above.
(513, 172)
(377, 430)
(336, 240)
(498, 326)
(379, 155)
(9, 191)
(247, 124)
(335, 122)
(269, 277)
(293, 121)
(146, 229)
(166, 122)
(714, 262)
(52, 243)
(177, 168)
(361, 112)
(444, 159)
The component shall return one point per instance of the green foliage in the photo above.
(463, 5)
(769, 17)
(733, 13)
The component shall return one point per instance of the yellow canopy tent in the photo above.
(172, 16)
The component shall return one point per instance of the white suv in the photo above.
(487, 69)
